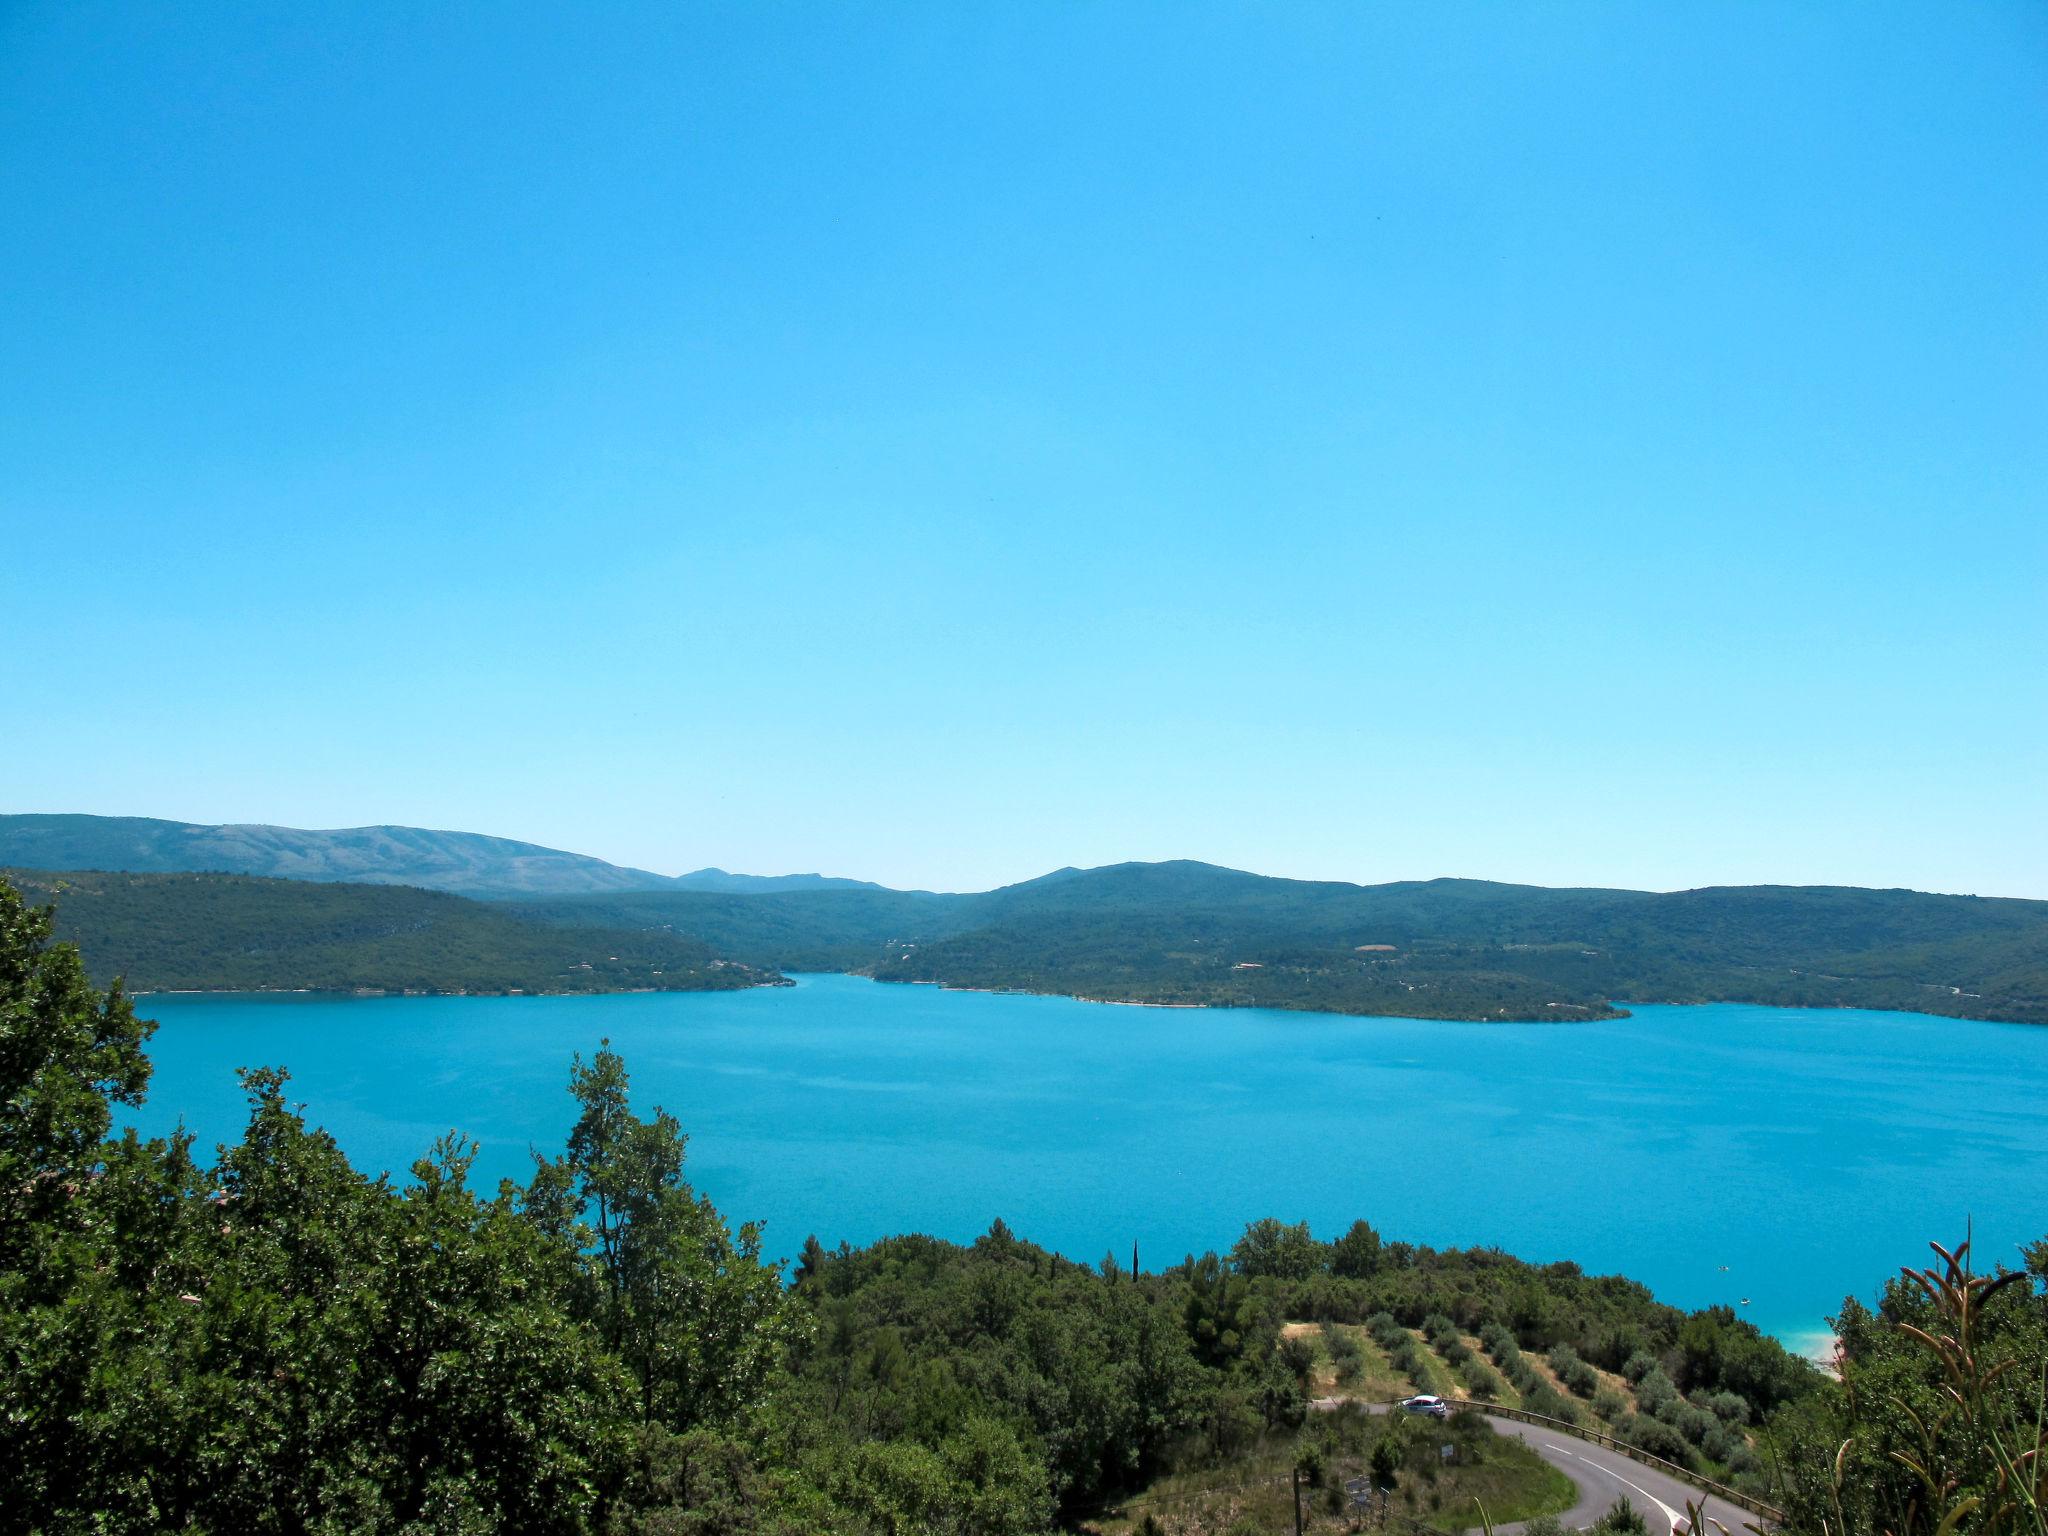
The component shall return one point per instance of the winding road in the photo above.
(1602, 1477)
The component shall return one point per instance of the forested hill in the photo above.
(177, 932)
(1173, 932)
(1185, 932)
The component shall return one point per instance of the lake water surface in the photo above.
(1808, 1152)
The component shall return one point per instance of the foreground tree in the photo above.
(691, 1307)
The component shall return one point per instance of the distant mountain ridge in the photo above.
(1178, 931)
(749, 885)
(462, 863)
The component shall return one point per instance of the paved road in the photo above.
(1603, 1476)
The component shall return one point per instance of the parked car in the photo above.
(1425, 1402)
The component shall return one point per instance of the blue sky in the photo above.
(1578, 444)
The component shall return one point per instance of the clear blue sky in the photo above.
(1574, 443)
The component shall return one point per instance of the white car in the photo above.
(1424, 1402)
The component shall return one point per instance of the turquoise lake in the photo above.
(1810, 1153)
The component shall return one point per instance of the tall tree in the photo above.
(690, 1306)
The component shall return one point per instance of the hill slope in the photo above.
(1471, 949)
(1183, 932)
(202, 932)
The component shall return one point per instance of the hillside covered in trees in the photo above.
(1193, 933)
(241, 933)
(1175, 932)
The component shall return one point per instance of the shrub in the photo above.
(1729, 1407)
(1657, 1438)
(1313, 1463)
(1624, 1519)
(1539, 1396)
(1655, 1390)
(1298, 1355)
(1639, 1365)
(1480, 1377)
(1346, 1353)
(1609, 1404)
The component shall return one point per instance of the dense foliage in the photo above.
(240, 933)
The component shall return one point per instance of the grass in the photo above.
(1254, 1492)
(1511, 1480)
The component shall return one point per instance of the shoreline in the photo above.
(372, 992)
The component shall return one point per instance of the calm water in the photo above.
(1809, 1152)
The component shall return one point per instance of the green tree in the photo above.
(68, 1054)
(1356, 1254)
(1219, 1312)
(1271, 1247)
(690, 1306)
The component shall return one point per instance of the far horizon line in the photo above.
(924, 890)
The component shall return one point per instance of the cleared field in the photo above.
(1374, 1379)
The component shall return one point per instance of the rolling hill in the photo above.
(1183, 932)
(206, 932)
(1171, 932)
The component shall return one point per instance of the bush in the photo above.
(1346, 1353)
(1623, 1519)
(1313, 1463)
(1580, 1377)
(1657, 1438)
(1483, 1382)
(1729, 1407)
(1655, 1390)
(1298, 1356)
(1609, 1404)
(1639, 1365)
